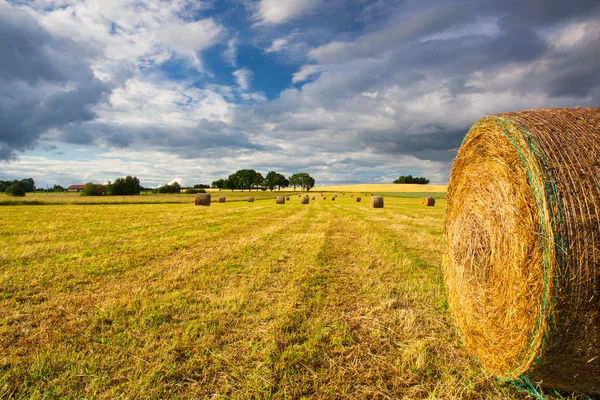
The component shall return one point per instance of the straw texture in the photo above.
(250, 199)
(202, 199)
(280, 200)
(304, 199)
(522, 246)
(429, 201)
(222, 199)
(376, 202)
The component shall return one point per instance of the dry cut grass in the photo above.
(236, 300)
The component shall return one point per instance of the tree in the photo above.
(174, 187)
(219, 183)
(410, 179)
(28, 184)
(201, 186)
(58, 188)
(270, 180)
(127, 186)
(282, 181)
(294, 181)
(15, 189)
(259, 181)
(91, 189)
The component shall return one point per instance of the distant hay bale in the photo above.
(305, 199)
(287, 198)
(202, 199)
(324, 197)
(376, 202)
(279, 200)
(313, 197)
(351, 195)
(429, 201)
(521, 255)
(333, 198)
(222, 199)
(358, 199)
(250, 199)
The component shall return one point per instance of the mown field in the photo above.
(237, 300)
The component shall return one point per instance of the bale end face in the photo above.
(429, 201)
(279, 200)
(304, 199)
(222, 199)
(376, 202)
(521, 258)
(202, 199)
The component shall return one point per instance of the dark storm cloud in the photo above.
(45, 82)
(187, 142)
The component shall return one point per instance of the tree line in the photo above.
(250, 179)
(410, 179)
(17, 187)
(128, 186)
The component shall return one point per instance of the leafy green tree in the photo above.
(201, 186)
(91, 189)
(270, 180)
(58, 188)
(174, 187)
(259, 181)
(410, 179)
(219, 183)
(282, 181)
(294, 181)
(15, 189)
(128, 186)
(28, 184)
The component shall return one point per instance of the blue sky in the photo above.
(346, 90)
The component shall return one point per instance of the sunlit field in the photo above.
(237, 300)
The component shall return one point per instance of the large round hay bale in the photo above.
(376, 202)
(429, 201)
(522, 246)
(358, 199)
(222, 199)
(202, 199)
(305, 199)
(250, 199)
(279, 200)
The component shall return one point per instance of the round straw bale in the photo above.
(313, 197)
(202, 199)
(305, 199)
(376, 202)
(333, 198)
(222, 199)
(358, 199)
(521, 258)
(250, 199)
(279, 200)
(429, 201)
(324, 197)
(287, 198)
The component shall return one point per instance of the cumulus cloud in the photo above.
(46, 82)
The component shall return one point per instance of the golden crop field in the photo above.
(385, 188)
(236, 300)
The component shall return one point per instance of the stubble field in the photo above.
(237, 300)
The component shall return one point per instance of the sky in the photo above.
(350, 91)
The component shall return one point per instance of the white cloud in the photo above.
(306, 72)
(274, 12)
(230, 54)
(242, 77)
(277, 45)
